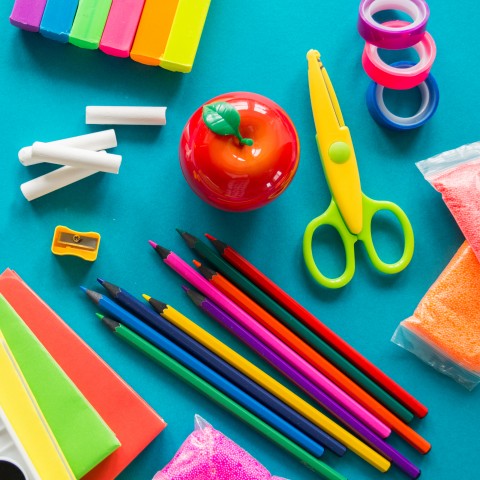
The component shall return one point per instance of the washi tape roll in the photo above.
(385, 118)
(394, 37)
(400, 78)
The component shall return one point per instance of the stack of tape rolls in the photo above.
(402, 75)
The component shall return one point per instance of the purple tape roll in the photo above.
(388, 37)
(27, 14)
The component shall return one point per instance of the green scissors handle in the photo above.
(333, 218)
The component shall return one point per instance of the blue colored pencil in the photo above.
(160, 341)
(195, 348)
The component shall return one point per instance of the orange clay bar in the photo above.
(446, 323)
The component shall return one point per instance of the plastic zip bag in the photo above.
(207, 454)
(456, 175)
(444, 330)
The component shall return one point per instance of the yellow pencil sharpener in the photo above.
(79, 244)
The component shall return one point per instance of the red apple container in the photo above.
(239, 151)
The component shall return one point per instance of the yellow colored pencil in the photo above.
(273, 386)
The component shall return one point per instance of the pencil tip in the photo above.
(210, 237)
(100, 316)
(196, 297)
(190, 240)
(146, 297)
(197, 263)
(110, 323)
(83, 289)
(157, 305)
(101, 281)
(163, 252)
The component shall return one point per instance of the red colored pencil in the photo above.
(302, 314)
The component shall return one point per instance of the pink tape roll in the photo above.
(400, 78)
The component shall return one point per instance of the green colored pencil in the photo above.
(202, 386)
(295, 325)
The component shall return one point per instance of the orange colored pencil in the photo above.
(316, 360)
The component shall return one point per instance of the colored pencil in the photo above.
(302, 348)
(336, 394)
(121, 26)
(206, 389)
(269, 304)
(193, 277)
(170, 348)
(374, 441)
(302, 314)
(210, 359)
(249, 369)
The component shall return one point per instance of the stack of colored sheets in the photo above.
(59, 423)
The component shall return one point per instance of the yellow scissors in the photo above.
(350, 212)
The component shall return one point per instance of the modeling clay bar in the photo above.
(444, 330)
(456, 175)
(208, 453)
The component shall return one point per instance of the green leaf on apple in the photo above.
(224, 119)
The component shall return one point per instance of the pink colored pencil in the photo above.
(198, 281)
(27, 14)
(122, 22)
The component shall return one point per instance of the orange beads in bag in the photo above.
(444, 330)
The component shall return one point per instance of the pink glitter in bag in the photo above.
(207, 454)
(456, 175)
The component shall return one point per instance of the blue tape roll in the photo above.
(380, 113)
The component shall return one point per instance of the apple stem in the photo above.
(244, 141)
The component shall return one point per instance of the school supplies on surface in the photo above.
(344, 352)
(165, 34)
(201, 368)
(133, 421)
(210, 359)
(81, 433)
(454, 174)
(26, 440)
(119, 115)
(359, 429)
(402, 75)
(248, 368)
(79, 244)
(350, 212)
(444, 330)
(206, 389)
(207, 450)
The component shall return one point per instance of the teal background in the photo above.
(259, 47)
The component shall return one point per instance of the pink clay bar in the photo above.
(460, 189)
(207, 454)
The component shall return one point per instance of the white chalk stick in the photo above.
(75, 157)
(91, 141)
(126, 115)
(52, 181)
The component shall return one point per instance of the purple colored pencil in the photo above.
(308, 387)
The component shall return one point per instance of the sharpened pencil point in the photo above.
(101, 281)
(112, 289)
(100, 315)
(94, 296)
(83, 289)
(110, 323)
(146, 297)
(197, 263)
(190, 240)
(196, 297)
(210, 237)
(157, 305)
(162, 251)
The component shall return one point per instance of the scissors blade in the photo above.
(335, 145)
